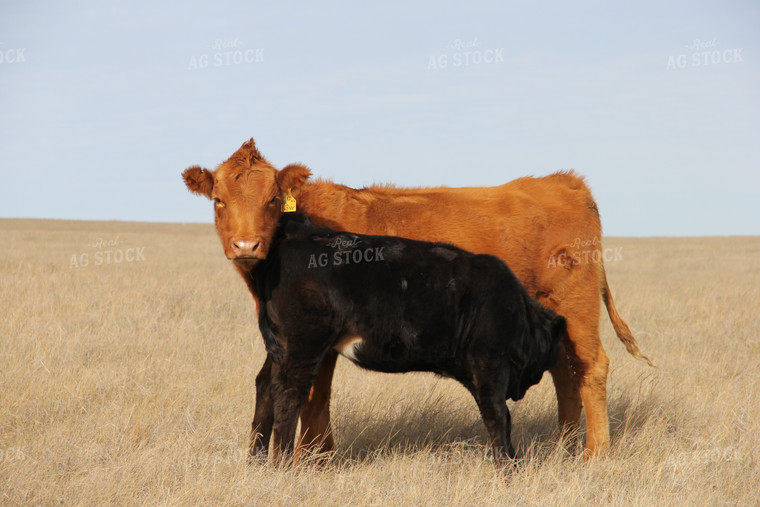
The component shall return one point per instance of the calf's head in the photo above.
(247, 192)
(540, 349)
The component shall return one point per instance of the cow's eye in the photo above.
(274, 200)
(218, 203)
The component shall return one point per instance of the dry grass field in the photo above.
(128, 378)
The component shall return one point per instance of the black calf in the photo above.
(393, 305)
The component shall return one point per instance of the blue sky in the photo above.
(103, 104)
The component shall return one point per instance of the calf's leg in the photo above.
(290, 389)
(490, 390)
(316, 434)
(499, 425)
(263, 416)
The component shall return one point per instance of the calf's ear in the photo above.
(199, 180)
(292, 176)
(559, 328)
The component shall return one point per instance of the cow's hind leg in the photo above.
(593, 389)
(263, 416)
(316, 438)
(569, 403)
(581, 372)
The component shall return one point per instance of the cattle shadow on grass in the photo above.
(633, 410)
(445, 433)
(447, 426)
(449, 434)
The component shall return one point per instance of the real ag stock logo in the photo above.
(105, 252)
(584, 251)
(225, 53)
(465, 54)
(346, 251)
(704, 54)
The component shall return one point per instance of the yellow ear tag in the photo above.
(289, 203)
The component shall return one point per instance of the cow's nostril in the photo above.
(246, 248)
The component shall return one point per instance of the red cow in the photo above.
(546, 229)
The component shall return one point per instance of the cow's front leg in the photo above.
(263, 416)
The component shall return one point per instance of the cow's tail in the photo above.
(621, 328)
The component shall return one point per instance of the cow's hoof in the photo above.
(594, 454)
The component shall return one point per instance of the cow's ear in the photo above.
(199, 180)
(293, 177)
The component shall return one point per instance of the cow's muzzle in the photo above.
(247, 249)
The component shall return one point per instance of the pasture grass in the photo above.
(133, 383)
